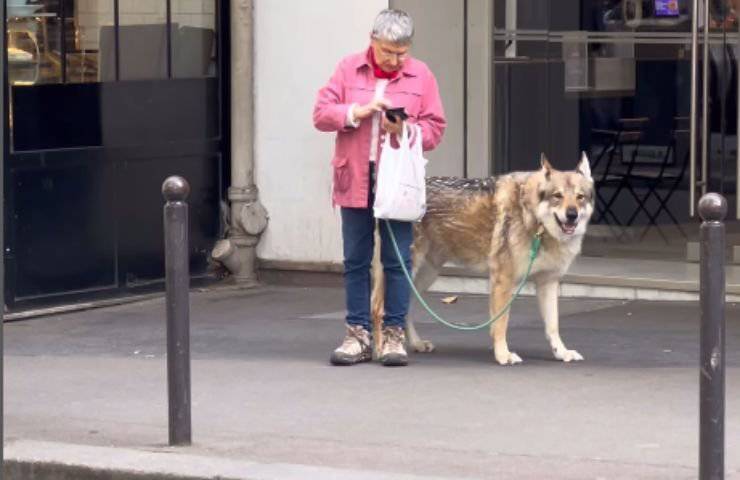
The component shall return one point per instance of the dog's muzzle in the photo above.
(571, 221)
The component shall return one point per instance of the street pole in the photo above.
(712, 209)
(2, 239)
(177, 278)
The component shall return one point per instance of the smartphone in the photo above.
(392, 113)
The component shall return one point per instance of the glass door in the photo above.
(717, 33)
(627, 82)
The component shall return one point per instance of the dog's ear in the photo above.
(546, 167)
(584, 167)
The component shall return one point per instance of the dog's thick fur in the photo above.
(489, 224)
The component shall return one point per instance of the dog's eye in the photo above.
(580, 197)
(557, 196)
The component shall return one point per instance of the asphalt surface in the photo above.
(263, 391)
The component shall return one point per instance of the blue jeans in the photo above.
(358, 225)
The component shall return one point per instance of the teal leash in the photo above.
(533, 251)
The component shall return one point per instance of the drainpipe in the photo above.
(248, 217)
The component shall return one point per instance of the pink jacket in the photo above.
(415, 89)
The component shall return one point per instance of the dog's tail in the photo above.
(377, 297)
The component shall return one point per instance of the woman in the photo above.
(352, 104)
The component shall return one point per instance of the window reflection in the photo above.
(195, 47)
(90, 17)
(74, 41)
(33, 41)
(76, 56)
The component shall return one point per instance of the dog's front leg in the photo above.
(547, 297)
(500, 295)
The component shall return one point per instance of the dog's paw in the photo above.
(423, 346)
(568, 355)
(509, 358)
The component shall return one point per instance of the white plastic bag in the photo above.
(401, 193)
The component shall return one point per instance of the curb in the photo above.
(26, 459)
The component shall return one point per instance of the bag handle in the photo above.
(405, 141)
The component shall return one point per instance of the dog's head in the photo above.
(564, 199)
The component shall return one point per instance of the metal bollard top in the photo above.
(713, 207)
(175, 189)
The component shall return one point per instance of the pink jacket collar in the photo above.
(410, 66)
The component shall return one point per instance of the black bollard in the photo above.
(177, 278)
(712, 208)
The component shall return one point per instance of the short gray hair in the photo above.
(394, 26)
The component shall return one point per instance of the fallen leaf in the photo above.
(449, 300)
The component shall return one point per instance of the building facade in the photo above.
(108, 97)
(634, 83)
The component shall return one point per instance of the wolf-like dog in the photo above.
(488, 224)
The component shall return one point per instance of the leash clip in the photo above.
(536, 242)
(540, 232)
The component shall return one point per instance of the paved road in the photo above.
(263, 389)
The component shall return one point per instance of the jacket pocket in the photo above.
(342, 178)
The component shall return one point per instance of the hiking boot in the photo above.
(355, 348)
(393, 353)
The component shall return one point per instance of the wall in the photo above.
(297, 46)
(439, 42)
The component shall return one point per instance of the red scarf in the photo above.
(377, 71)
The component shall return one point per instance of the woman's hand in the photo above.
(393, 127)
(365, 111)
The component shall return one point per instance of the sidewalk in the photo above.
(267, 405)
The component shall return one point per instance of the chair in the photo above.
(667, 177)
(616, 174)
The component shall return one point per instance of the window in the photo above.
(35, 41)
(82, 41)
(73, 68)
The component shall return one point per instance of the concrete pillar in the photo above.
(479, 89)
(248, 217)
